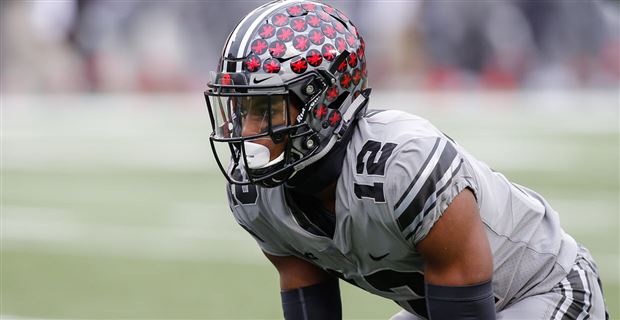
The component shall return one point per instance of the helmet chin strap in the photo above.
(326, 167)
(258, 155)
(315, 177)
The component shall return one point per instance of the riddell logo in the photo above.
(301, 115)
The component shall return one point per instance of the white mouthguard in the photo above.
(258, 155)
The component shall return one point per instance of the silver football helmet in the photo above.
(293, 72)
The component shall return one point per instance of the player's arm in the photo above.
(459, 263)
(307, 291)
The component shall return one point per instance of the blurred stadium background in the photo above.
(111, 206)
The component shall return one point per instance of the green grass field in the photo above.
(113, 208)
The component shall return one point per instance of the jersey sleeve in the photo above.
(423, 177)
(248, 218)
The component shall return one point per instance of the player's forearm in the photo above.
(319, 301)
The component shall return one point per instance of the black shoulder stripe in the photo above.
(417, 204)
(417, 176)
(440, 191)
(252, 233)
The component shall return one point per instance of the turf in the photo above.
(120, 212)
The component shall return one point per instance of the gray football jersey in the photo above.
(399, 175)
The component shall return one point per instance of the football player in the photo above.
(381, 199)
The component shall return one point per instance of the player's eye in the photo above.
(255, 106)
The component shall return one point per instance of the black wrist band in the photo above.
(319, 301)
(460, 302)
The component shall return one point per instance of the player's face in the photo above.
(255, 120)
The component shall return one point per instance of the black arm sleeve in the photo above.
(474, 302)
(315, 302)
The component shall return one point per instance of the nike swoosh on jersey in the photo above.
(379, 257)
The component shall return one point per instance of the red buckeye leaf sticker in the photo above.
(314, 58)
(345, 80)
(299, 24)
(320, 111)
(350, 39)
(266, 31)
(334, 118)
(339, 26)
(271, 66)
(279, 19)
(332, 93)
(295, 10)
(352, 60)
(259, 46)
(341, 45)
(361, 55)
(313, 20)
(324, 16)
(328, 30)
(285, 34)
(329, 52)
(277, 49)
(252, 63)
(308, 6)
(356, 76)
(329, 10)
(316, 37)
(301, 43)
(299, 65)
